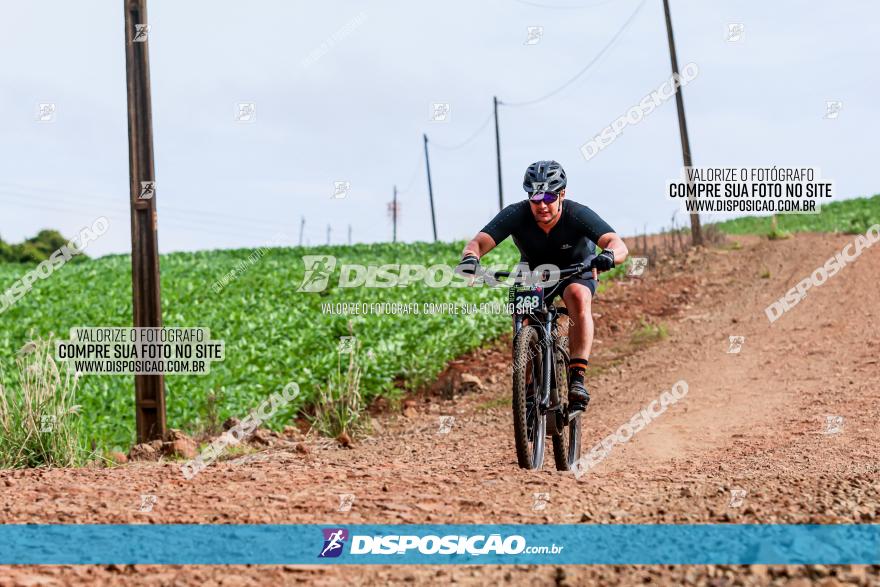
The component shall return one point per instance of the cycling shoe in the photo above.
(578, 398)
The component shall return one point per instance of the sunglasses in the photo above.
(546, 197)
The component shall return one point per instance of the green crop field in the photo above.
(850, 216)
(273, 334)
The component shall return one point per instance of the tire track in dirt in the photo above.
(753, 421)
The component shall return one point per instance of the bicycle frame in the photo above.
(539, 408)
(546, 321)
(546, 318)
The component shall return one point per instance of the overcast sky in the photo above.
(343, 92)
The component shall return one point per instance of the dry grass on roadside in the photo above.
(339, 408)
(39, 423)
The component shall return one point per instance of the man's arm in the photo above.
(611, 240)
(498, 229)
(601, 233)
(479, 245)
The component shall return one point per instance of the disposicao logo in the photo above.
(317, 274)
(334, 541)
(403, 544)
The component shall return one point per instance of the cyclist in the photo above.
(548, 229)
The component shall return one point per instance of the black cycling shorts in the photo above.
(554, 291)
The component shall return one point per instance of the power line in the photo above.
(466, 141)
(587, 66)
(565, 7)
(15, 199)
(412, 179)
(193, 224)
(200, 214)
(188, 215)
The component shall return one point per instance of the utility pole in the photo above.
(328, 234)
(302, 225)
(696, 232)
(430, 189)
(394, 215)
(349, 234)
(498, 153)
(149, 390)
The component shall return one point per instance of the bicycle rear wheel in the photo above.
(529, 424)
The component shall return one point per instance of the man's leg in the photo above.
(578, 298)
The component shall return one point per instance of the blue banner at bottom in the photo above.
(185, 544)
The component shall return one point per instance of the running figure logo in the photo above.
(246, 112)
(832, 109)
(317, 274)
(46, 112)
(141, 33)
(637, 266)
(440, 111)
(148, 190)
(539, 187)
(334, 540)
(736, 343)
(534, 35)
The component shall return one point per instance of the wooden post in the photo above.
(149, 389)
(394, 215)
(430, 188)
(696, 232)
(498, 154)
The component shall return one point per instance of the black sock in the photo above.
(577, 368)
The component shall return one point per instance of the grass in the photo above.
(210, 424)
(649, 333)
(233, 451)
(39, 417)
(732, 246)
(850, 216)
(498, 402)
(339, 407)
(776, 234)
(274, 335)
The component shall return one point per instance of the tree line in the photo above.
(35, 249)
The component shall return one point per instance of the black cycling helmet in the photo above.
(545, 176)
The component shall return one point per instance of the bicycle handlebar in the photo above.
(567, 272)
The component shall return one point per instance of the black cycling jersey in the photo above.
(571, 241)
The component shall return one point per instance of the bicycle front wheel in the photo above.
(529, 424)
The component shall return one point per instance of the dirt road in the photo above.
(789, 422)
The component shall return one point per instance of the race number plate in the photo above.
(525, 299)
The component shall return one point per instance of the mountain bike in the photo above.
(540, 377)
